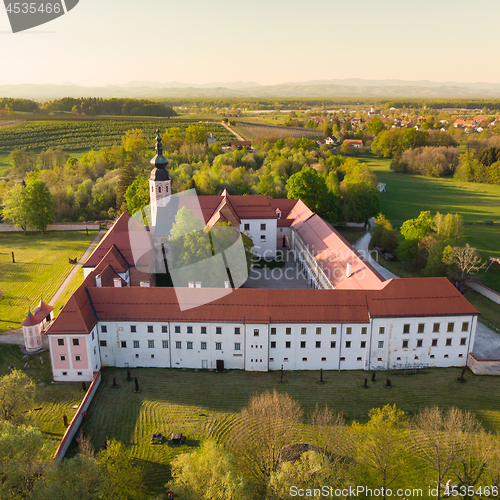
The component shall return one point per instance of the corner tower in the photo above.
(159, 181)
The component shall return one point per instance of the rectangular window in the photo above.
(237, 346)
(136, 344)
(133, 329)
(364, 330)
(256, 333)
(76, 342)
(381, 330)
(334, 330)
(262, 237)
(123, 344)
(363, 344)
(137, 355)
(406, 328)
(203, 329)
(465, 326)
(60, 341)
(164, 329)
(302, 345)
(448, 341)
(77, 358)
(304, 359)
(333, 344)
(420, 343)
(178, 345)
(273, 331)
(151, 344)
(288, 345)
(95, 352)
(103, 343)
(237, 330)
(218, 329)
(262, 227)
(150, 328)
(79, 373)
(318, 330)
(271, 359)
(273, 345)
(380, 344)
(421, 327)
(104, 329)
(177, 329)
(435, 328)
(189, 345)
(348, 330)
(288, 331)
(64, 373)
(318, 345)
(152, 356)
(62, 358)
(164, 344)
(342, 358)
(434, 342)
(451, 327)
(463, 341)
(405, 344)
(285, 359)
(348, 344)
(323, 359)
(247, 227)
(203, 346)
(190, 329)
(359, 358)
(92, 335)
(218, 346)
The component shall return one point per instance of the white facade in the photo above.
(263, 233)
(159, 195)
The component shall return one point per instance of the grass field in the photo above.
(261, 131)
(55, 399)
(41, 266)
(203, 404)
(68, 292)
(407, 195)
(4, 163)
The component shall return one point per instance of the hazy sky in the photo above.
(267, 41)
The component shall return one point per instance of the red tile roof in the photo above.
(115, 259)
(30, 320)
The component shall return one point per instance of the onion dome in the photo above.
(159, 162)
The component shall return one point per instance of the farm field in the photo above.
(86, 134)
(55, 399)
(407, 195)
(203, 404)
(41, 266)
(251, 131)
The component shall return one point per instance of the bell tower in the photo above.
(159, 181)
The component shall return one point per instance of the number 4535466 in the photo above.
(486, 491)
(33, 8)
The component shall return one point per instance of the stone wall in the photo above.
(481, 366)
(484, 290)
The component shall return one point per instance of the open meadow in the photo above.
(252, 131)
(203, 404)
(40, 268)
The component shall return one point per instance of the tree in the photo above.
(121, 476)
(268, 423)
(438, 437)
(381, 444)
(127, 177)
(80, 478)
(196, 135)
(416, 229)
(17, 396)
(327, 130)
(23, 451)
(135, 142)
(375, 126)
(467, 262)
(448, 227)
(15, 207)
(383, 234)
(208, 474)
(137, 195)
(40, 204)
(309, 186)
(360, 201)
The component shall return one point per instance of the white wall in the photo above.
(265, 248)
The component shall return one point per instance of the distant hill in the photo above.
(352, 87)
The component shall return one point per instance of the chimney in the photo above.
(226, 284)
(144, 284)
(198, 284)
(98, 281)
(190, 284)
(348, 270)
(278, 213)
(117, 282)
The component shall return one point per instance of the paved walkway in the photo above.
(238, 136)
(487, 343)
(15, 336)
(362, 247)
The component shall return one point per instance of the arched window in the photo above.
(159, 189)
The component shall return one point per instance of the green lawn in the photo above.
(73, 285)
(351, 234)
(203, 404)
(55, 399)
(41, 266)
(4, 163)
(407, 195)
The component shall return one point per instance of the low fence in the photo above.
(77, 419)
(484, 290)
(480, 366)
(69, 226)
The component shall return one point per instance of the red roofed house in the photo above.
(351, 318)
(355, 143)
